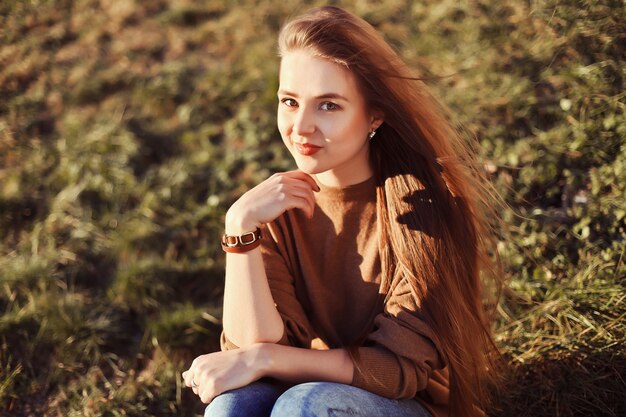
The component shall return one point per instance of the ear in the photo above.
(376, 120)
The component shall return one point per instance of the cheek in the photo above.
(282, 123)
(284, 130)
(355, 127)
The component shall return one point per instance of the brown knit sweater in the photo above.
(325, 274)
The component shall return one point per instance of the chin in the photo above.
(308, 168)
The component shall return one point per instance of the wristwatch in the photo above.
(243, 243)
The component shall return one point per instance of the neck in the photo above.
(332, 179)
(354, 173)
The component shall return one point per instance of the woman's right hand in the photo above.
(270, 199)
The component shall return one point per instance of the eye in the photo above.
(289, 102)
(329, 106)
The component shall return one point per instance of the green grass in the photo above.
(128, 128)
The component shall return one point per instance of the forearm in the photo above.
(298, 365)
(250, 314)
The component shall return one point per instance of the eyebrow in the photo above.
(322, 96)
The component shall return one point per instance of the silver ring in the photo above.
(193, 384)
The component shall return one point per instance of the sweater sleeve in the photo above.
(278, 255)
(401, 353)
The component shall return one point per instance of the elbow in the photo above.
(391, 376)
(251, 338)
(414, 379)
(406, 388)
(273, 339)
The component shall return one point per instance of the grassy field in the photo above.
(128, 128)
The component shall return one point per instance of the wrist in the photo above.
(238, 224)
(261, 358)
(242, 243)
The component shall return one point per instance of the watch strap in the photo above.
(242, 243)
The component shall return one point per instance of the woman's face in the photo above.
(323, 119)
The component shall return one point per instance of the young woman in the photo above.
(352, 284)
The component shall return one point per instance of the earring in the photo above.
(371, 134)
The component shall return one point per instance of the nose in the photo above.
(304, 122)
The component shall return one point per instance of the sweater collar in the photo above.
(364, 190)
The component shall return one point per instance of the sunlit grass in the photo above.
(127, 129)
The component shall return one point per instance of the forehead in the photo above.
(306, 74)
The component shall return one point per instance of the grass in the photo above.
(128, 128)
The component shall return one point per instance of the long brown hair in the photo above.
(434, 206)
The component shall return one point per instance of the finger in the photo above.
(307, 196)
(206, 397)
(299, 188)
(286, 185)
(303, 176)
(301, 203)
(305, 185)
(188, 377)
(309, 179)
(195, 386)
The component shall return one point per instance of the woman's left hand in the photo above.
(212, 374)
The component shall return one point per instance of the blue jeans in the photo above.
(312, 399)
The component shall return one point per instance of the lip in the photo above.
(306, 148)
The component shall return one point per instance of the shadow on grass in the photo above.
(576, 384)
